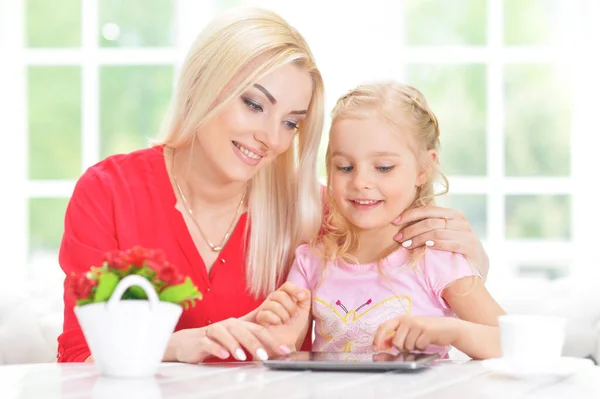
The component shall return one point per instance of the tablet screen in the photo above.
(349, 361)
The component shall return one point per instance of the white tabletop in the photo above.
(445, 380)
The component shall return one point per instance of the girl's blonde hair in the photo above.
(405, 109)
(284, 205)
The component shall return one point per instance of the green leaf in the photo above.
(121, 273)
(146, 272)
(96, 272)
(180, 293)
(81, 302)
(106, 286)
(137, 293)
(128, 295)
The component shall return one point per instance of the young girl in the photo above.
(368, 293)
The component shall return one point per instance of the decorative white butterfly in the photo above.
(353, 330)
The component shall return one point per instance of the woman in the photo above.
(240, 148)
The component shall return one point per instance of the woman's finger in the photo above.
(249, 341)
(222, 335)
(206, 348)
(449, 240)
(427, 226)
(270, 344)
(427, 212)
(440, 225)
(259, 341)
(194, 346)
(407, 232)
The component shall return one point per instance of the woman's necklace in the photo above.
(188, 208)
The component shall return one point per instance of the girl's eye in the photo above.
(385, 169)
(345, 169)
(252, 105)
(291, 125)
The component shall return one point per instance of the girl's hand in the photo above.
(286, 314)
(441, 228)
(223, 339)
(283, 305)
(408, 333)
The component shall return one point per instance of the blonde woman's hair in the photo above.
(405, 109)
(284, 203)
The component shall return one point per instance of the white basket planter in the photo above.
(128, 338)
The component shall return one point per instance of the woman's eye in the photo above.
(252, 105)
(385, 169)
(291, 125)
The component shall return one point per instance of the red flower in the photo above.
(137, 257)
(157, 256)
(81, 285)
(117, 260)
(148, 263)
(156, 266)
(169, 275)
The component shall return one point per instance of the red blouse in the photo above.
(127, 200)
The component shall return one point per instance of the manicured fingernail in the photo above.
(240, 354)
(262, 354)
(398, 219)
(398, 237)
(285, 350)
(407, 243)
(429, 243)
(223, 354)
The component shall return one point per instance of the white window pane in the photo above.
(457, 95)
(136, 23)
(538, 217)
(133, 104)
(53, 24)
(442, 22)
(537, 120)
(54, 116)
(532, 22)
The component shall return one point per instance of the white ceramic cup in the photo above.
(531, 339)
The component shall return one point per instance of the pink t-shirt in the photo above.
(349, 301)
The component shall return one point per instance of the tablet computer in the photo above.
(352, 361)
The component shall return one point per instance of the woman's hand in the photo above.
(408, 333)
(223, 339)
(442, 228)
